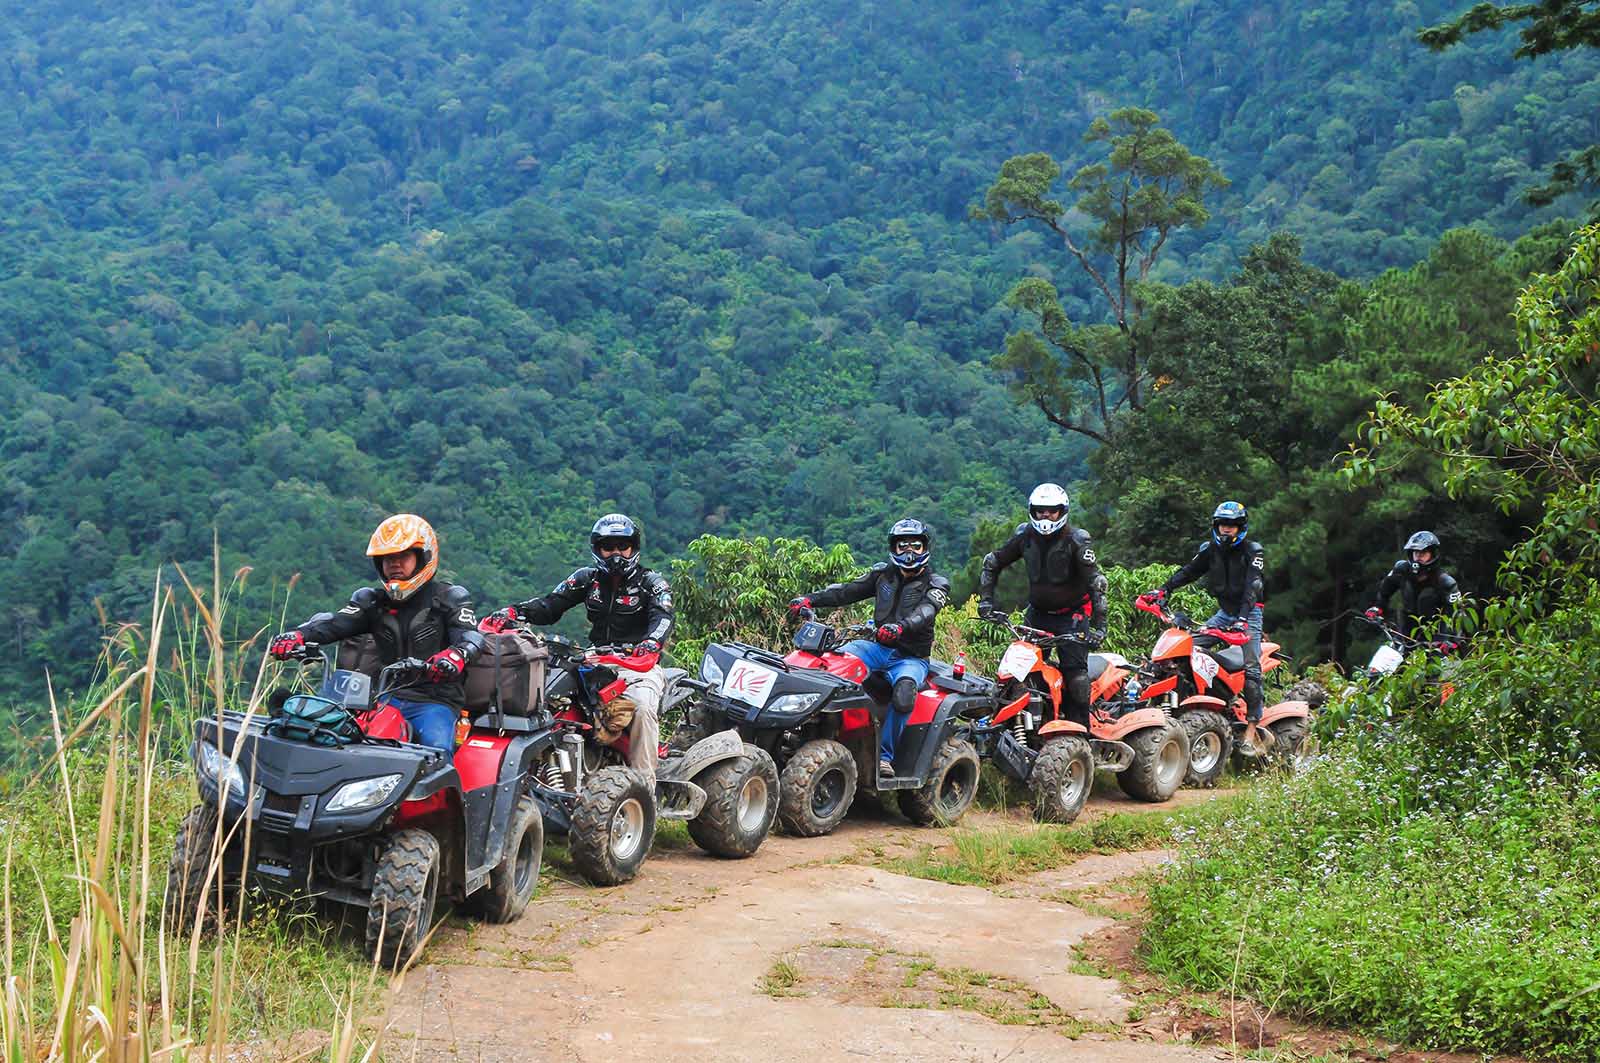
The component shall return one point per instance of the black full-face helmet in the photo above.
(903, 540)
(1423, 542)
(615, 528)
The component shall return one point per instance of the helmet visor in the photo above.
(610, 547)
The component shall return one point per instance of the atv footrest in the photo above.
(1111, 755)
(898, 782)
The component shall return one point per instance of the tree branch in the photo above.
(1061, 422)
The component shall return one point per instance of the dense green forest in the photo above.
(275, 269)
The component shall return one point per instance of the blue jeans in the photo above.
(894, 666)
(1252, 658)
(432, 724)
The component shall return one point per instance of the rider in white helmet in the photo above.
(1066, 589)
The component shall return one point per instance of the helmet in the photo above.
(1422, 540)
(396, 535)
(910, 528)
(615, 526)
(1230, 513)
(1047, 496)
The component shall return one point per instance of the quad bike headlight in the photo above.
(710, 670)
(793, 702)
(218, 768)
(363, 793)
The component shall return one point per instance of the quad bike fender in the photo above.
(1286, 710)
(1011, 708)
(934, 715)
(1056, 728)
(677, 796)
(1137, 720)
(1159, 687)
(1203, 701)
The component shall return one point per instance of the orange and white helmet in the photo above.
(396, 535)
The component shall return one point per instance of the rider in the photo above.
(1425, 591)
(627, 604)
(1235, 572)
(1066, 589)
(906, 594)
(410, 614)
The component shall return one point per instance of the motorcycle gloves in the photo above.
(499, 620)
(1374, 614)
(287, 645)
(889, 634)
(446, 665)
(648, 648)
(987, 611)
(800, 607)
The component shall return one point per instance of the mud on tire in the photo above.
(699, 721)
(613, 826)
(1062, 778)
(1160, 761)
(405, 888)
(1289, 743)
(1210, 743)
(188, 867)
(1313, 693)
(817, 786)
(741, 804)
(513, 880)
(951, 787)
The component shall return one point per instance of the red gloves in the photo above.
(499, 620)
(1374, 614)
(889, 634)
(287, 645)
(799, 607)
(446, 665)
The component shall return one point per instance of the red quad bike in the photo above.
(1030, 740)
(726, 789)
(327, 798)
(1197, 673)
(820, 716)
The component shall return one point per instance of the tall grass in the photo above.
(90, 969)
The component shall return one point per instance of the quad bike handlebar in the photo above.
(1440, 644)
(1153, 606)
(1040, 637)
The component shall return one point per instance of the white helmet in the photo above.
(1047, 496)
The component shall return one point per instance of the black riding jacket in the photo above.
(1235, 575)
(625, 611)
(437, 617)
(1063, 574)
(1421, 599)
(910, 600)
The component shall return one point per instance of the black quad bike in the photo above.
(725, 788)
(819, 715)
(310, 802)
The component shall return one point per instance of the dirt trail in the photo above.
(795, 954)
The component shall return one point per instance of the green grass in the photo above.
(991, 856)
(1476, 928)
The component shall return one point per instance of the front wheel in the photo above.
(951, 786)
(818, 785)
(741, 804)
(1210, 742)
(1061, 780)
(405, 887)
(512, 880)
(613, 826)
(197, 893)
(1160, 761)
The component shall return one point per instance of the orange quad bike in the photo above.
(1029, 738)
(1197, 674)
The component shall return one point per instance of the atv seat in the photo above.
(1099, 662)
(1230, 657)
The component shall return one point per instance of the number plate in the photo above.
(749, 683)
(1205, 668)
(1018, 661)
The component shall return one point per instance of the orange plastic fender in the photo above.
(1134, 721)
(1202, 701)
(1158, 688)
(1061, 727)
(1008, 711)
(1286, 710)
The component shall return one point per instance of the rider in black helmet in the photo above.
(1425, 590)
(906, 595)
(628, 605)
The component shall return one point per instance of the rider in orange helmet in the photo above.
(409, 614)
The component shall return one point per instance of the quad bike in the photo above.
(327, 798)
(820, 715)
(726, 789)
(1197, 672)
(1030, 740)
(1397, 646)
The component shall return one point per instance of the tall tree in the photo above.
(1148, 187)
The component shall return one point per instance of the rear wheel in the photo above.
(1313, 693)
(1291, 748)
(1160, 761)
(512, 881)
(1210, 742)
(1061, 781)
(950, 789)
(405, 887)
(613, 826)
(741, 804)
(818, 784)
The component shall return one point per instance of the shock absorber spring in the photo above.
(1019, 728)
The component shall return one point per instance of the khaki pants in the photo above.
(645, 690)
